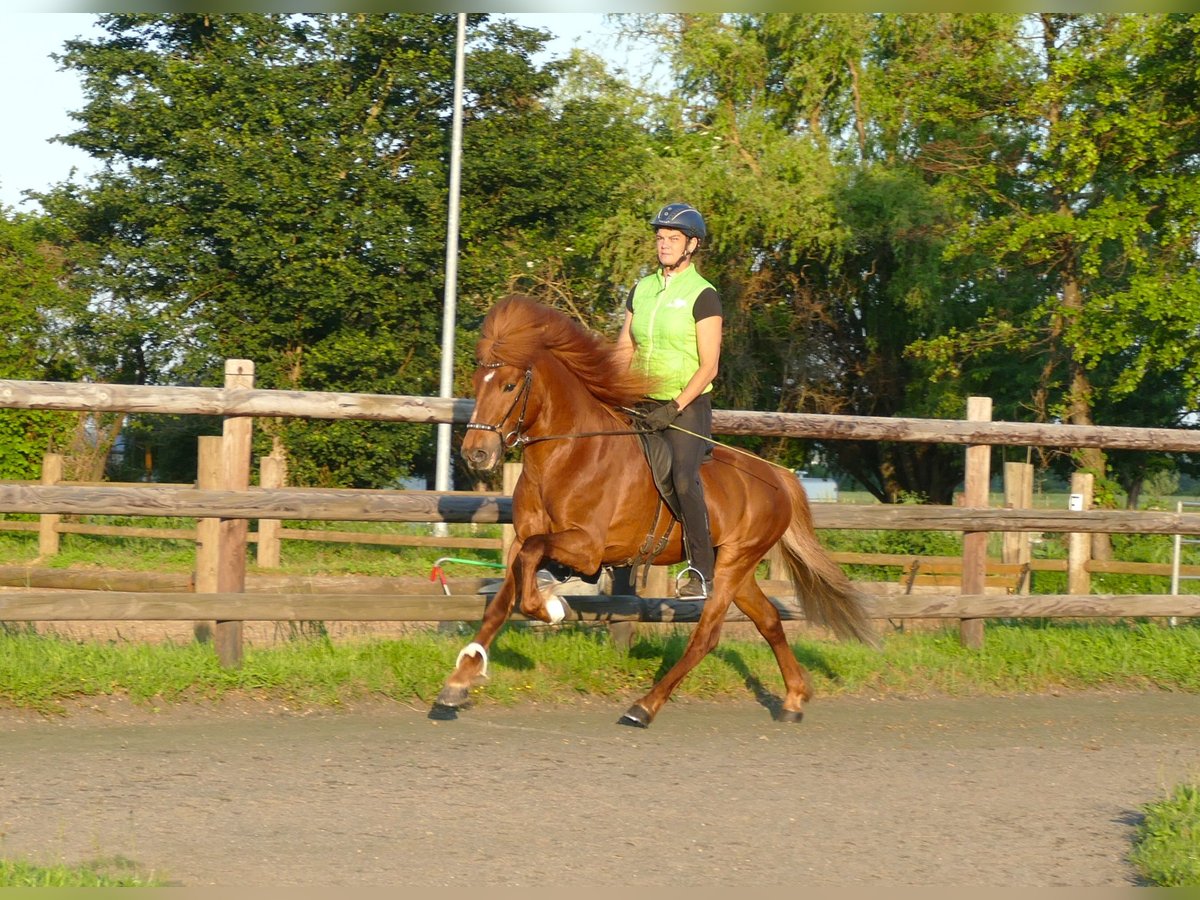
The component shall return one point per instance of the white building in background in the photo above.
(819, 490)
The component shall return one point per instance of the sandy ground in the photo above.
(982, 792)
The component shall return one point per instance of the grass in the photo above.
(45, 672)
(546, 665)
(1167, 844)
(102, 873)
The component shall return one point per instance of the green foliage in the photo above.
(105, 873)
(915, 543)
(26, 436)
(822, 150)
(1098, 198)
(276, 189)
(1167, 843)
(906, 209)
(37, 302)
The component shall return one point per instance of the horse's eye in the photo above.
(510, 387)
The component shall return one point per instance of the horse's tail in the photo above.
(825, 593)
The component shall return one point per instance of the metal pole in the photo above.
(442, 474)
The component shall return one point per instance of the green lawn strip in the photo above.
(44, 671)
(532, 664)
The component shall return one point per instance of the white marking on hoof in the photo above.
(473, 649)
(556, 610)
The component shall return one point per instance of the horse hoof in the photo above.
(451, 697)
(442, 713)
(635, 717)
(789, 715)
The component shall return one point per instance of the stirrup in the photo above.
(690, 595)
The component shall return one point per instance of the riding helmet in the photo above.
(681, 217)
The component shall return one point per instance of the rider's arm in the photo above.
(625, 340)
(708, 345)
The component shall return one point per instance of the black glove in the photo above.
(661, 416)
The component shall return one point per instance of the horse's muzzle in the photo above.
(481, 458)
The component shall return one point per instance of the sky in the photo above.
(37, 100)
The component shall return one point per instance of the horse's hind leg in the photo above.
(703, 640)
(762, 612)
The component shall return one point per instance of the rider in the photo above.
(672, 330)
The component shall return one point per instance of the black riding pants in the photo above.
(687, 453)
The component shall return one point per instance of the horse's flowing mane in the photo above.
(518, 329)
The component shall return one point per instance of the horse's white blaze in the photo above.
(473, 649)
(489, 376)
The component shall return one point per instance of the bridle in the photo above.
(513, 438)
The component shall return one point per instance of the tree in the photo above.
(1100, 205)
(275, 188)
(797, 135)
(937, 205)
(38, 306)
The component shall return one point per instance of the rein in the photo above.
(515, 438)
(526, 440)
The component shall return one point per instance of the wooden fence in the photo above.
(912, 568)
(224, 502)
(50, 527)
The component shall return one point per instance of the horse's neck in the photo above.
(571, 409)
(570, 417)
(568, 407)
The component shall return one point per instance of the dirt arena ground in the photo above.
(984, 792)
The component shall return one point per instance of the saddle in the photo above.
(658, 455)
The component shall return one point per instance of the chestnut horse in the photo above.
(586, 498)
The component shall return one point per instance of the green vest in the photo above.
(664, 329)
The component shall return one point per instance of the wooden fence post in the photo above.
(208, 531)
(235, 476)
(1018, 494)
(1079, 545)
(272, 474)
(975, 495)
(658, 583)
(52, 469)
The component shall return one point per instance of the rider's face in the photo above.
(672, 246)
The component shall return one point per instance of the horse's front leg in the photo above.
(471, 666)
(574, 548)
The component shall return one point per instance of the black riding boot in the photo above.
(687, 454)
(695, 582)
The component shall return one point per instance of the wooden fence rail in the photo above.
(435, 410)
(37, 606)
(287, 534)
(353, 505)
(224, 500)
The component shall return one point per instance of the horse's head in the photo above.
(537, 362)
(501, 404)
